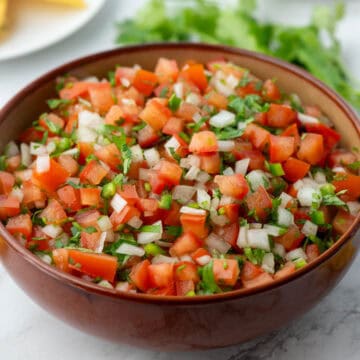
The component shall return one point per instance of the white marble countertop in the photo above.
(331, 331)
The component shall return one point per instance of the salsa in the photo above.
(186, 180)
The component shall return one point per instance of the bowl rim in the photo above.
(164, 299)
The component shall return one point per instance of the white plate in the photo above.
(35, 25)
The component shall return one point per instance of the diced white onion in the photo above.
(173, 144)
(179, 90)
(307, 119)
(129, 249)
(92, 79)
(45, 258)
(232, 81)
(118, 203)
(105, 284)
(226, 200)
(296, 254)
(203, 199)
(90, 120)
(338, 169)
(222, 119)
(162, 259)
(279, 250)
(187, 258)
(255, 226)
(309, 182)
(128, 102)
(125, 82)
(52, 230)
(226, 145)
(85, 134)
(309, 228)
(104, 223)
(144, 174)
(101, 242)
(147, 237)
(105, 166)
(192, 211)
(110, 236)
(12, 149)
(161, 243)
(152, 156)
(203, 260)
(135, 222)
(203, 177)
(228, 171)
(242, 240)
(183, 193)
(188, 162)
(122, 286)
(272, 230)
(192, 173)
(285, 199)
(72, 152)
(17, 193)
(51, 147)
(219, 220)
(37, 149)
(241, 166)
(214, 242)
(74, 180)
(285, 217)
(354, 207)
(25, 154)
(320, 177)
(43, 163)
(193, 98)
(258, 238)
(257, 178)
(307, 195)
(268, 263)
(197, 117)
(136, 153)
(298, 185)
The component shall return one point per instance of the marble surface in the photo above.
(331, 331)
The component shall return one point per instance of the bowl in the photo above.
(173, 323)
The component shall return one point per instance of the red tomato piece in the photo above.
(7, 182)
(186, 270)
(260, 202)
(170, 172)
(69, 197)
(231, 211)
(286, 270)
(341, 158)
(155, 113)
(184, 287)
(93, 173)
(348, 182)
(20, 224)
(88, 218)
(147, 137)
(342, 222)
(174, 126)
(280, 116)
(61, 259)
(250, 271)
(295, 169)
(129, 193)
(260, 280)
(123, 216)
(101, 97)
(258, 136)
(311, 148)
(196, 74)
(124, 73)
(90, 241)
(226, 271)
(69, 164)
(185, 244)
(292, 239)
(293, 131)
(210, 163)
(195, 224)
(331, 137)
(166, 70)
(77, 89)
(232, 185)
(203, 142)
(90, 196)
(281, 148)
(139, 275)
(312, 252)
(161, 275)
(270, 91)
(110, 155)
(50, 180)
(145, 81)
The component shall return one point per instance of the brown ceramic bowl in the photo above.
(170, 323)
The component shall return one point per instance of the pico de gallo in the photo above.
(186, 180)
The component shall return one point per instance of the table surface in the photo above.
(330, 331)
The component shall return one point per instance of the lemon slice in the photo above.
(3, 8)
(74, 3)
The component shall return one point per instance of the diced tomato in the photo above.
(232, 185)
(187, 111)
(281, 148)
(312, 252)
(61, 259)
(110, 155)
(348, 182)
(251, 88)
(32, 194)
(161, 275)
(170, 172)
(124, 73)
(280, 116)
(31, 134)
(114, 114)
(157, 183)
(250, 271)
(184, 287)
(155, 113)
(71, 123)
(52, 118)
(147, 137)
(172, 217)
(101, 97)
(185, 244)
(231, 211)
(229, 233)
(270, 91)
(196, 74)
(123, 216)
(260, 202)
(295, 169)
(260, 280)
(88, 218)
(203, 142)
(148, 204)
(199, 253)
(69, 197)
(341, 158)
(77, 89)
(331, 137)
(139, 275)
(7, 182)
(195, 224)
(145, 81)
(50, 180)
(95, 265)
(226, 271)
(93, 173)
(129, 193)
(20, 224)
(90, 196)
(90, 241)
(166, 70)
(210, 163)
(173, 126)
(54, 213)
(342, 221)
(293, 131)
(85, 149)
(69, 164)
(258, 136)
(288, 269)
(292, 239)
(311, 148)
(135, 166)
(217, 100)
(186, 270)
